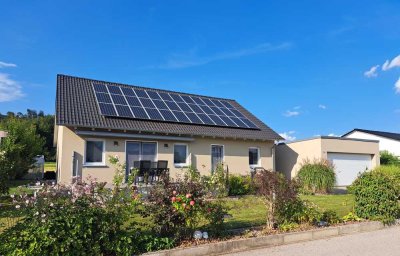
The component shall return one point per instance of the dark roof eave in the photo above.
(113, 130)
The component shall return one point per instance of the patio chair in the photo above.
(144, 170)
(162, 169)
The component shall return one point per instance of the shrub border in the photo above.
(245, 244)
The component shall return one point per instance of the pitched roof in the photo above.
(389, 135)
(76, 106)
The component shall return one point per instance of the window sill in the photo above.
(181, 165)
(94, 165)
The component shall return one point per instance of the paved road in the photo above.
(384, 242)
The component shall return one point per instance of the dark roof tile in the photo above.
(76, 106)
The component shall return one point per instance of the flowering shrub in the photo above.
(217, 183)
(214, 213)
(84, 218)
(178, 208)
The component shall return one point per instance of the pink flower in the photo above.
(192, 203)
(174, 192)
(173, 199)
(183, 205)
(188, 195)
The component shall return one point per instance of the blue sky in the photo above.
(304, 68)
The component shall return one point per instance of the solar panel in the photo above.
(114, 89)
(139, 112)
(103, 97)
(118, 99)
(123, 111)
(147, 103)
(154, 114)
(154, 95)
(181, 116)
(167, 114)
(107, 109)
(123, 101)
(141, 93)
(128, 91)
(133, 101)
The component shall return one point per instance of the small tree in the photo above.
(18, 149)
(388, 158)
(276, 191)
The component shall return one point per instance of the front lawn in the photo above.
(49, 166)
(249, 211)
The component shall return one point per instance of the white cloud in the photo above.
(9, 89)
(288, 136)
(7, 65)
(371, 72)
(181, 61)
(397, 86)
(333, 135)
(395, 62)
(290, 113)
(321, 106)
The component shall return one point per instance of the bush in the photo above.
(317, 176)
(277, 193)
(388, 158)
(375, 196)
(84, 218)
(178, 208)
(240, 185)
(331, 217)
(393, 172)
(217, 183)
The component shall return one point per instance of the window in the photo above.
(180, 155)
(217, 156)
(254, 157)
(94, 154)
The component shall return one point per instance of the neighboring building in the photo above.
(349, 156)
(387, 140)
(3, 134)
(96, 119)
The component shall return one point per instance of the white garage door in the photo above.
(348, 166)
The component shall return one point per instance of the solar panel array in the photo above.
(118, 101)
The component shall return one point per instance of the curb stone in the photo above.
(244, 244)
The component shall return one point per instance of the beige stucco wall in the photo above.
(235, 154)
(290, 156)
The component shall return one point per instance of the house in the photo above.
(349, 156)
(97, 119)
(387, 140)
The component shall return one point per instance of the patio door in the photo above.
(136, 151)
(217, 156)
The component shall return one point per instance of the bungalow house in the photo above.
(387, 140)
(96, 119)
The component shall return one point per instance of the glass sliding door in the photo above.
(132, 155)
(217, 156)
(137, 151)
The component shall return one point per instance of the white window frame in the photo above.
(141, 141)
(259, 157)
(186, 164)
(223, 153)
(103, 156)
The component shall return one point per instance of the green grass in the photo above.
(249, 211)
(342, 204)
(49, 166)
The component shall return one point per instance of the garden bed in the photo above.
(260, 239)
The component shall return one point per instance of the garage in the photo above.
(348, 166)
(349, 156)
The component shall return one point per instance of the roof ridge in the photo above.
(145, 88)
(357, 129)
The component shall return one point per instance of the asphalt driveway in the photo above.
(385, 242)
